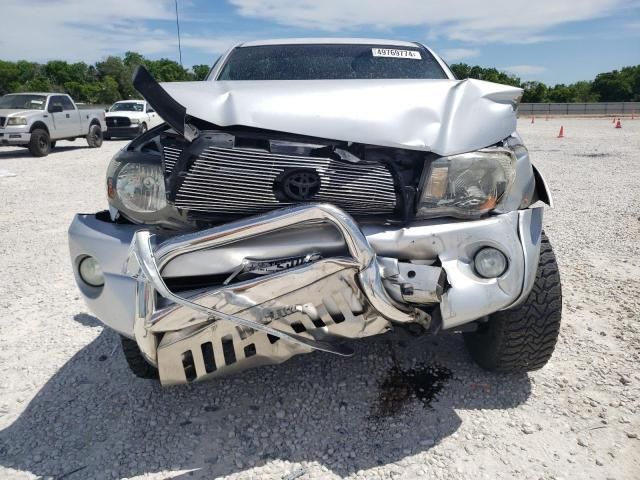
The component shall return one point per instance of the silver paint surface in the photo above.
(442, 116)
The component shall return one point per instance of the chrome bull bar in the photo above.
(145, 263)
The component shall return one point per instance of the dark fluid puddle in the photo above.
(400, 387)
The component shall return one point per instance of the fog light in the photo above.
(490, 262)
(90, 272)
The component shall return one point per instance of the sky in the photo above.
(553, 41)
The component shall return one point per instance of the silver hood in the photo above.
(443, 116)
(18, 113)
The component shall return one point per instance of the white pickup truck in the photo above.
(38, 120)
(130, 118)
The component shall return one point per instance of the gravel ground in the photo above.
(69, 407)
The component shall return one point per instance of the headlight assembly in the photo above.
(16, 121)
(140, 187)
(135, 121)
(466, 185)
(136, 190)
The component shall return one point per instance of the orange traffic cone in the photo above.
(561, 134)
(618, 125)
(533, 119)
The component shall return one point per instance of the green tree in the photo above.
(109, 91)
(462, 71)
(618, 86)
(559, 94)
(8, 76)
(37, 84)
(200, 72)
(165, 70)
(133, 59)
(115, 68)
(583, 92)
(534, 92)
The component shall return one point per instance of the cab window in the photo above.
(56, 101)
(67, 104)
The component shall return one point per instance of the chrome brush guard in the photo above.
(264, 320)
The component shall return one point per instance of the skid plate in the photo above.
(328, 306)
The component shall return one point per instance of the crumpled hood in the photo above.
(443, 116)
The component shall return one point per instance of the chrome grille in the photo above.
(241, 181)
(171, 155)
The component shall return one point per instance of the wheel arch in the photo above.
(39, 125)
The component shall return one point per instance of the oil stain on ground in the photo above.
(400, 387)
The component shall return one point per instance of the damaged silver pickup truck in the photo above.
(314, 191)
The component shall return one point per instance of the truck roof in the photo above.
(329, 40)
(38, 93)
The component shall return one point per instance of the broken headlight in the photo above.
(466, 185)
(136, 186)
(140, 187)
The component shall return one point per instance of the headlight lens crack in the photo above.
(466, 185)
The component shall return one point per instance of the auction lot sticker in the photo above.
(395, 53)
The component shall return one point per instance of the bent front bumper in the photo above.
(355, 290)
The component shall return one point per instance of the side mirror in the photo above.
(55, 108)
(106, 109)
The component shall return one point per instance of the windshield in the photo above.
(330, 62)
(127, 107)
(23, 102)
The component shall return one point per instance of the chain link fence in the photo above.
(604, 108)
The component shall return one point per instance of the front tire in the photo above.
(522, 339)
(94, 137)
(137, 364)
(143, 129)
(40, 143)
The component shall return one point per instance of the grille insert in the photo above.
(246, 181)
(118, 122)
(171, 155)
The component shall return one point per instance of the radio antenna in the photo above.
(178, 28)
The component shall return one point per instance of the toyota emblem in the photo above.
(299, 185)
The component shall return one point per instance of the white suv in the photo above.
(129, 118)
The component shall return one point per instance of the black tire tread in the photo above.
(137, 364)
(523, 339)
(34, 148)
(94, 142)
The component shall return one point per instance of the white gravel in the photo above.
(69, 407)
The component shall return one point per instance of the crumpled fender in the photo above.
(441, 116)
